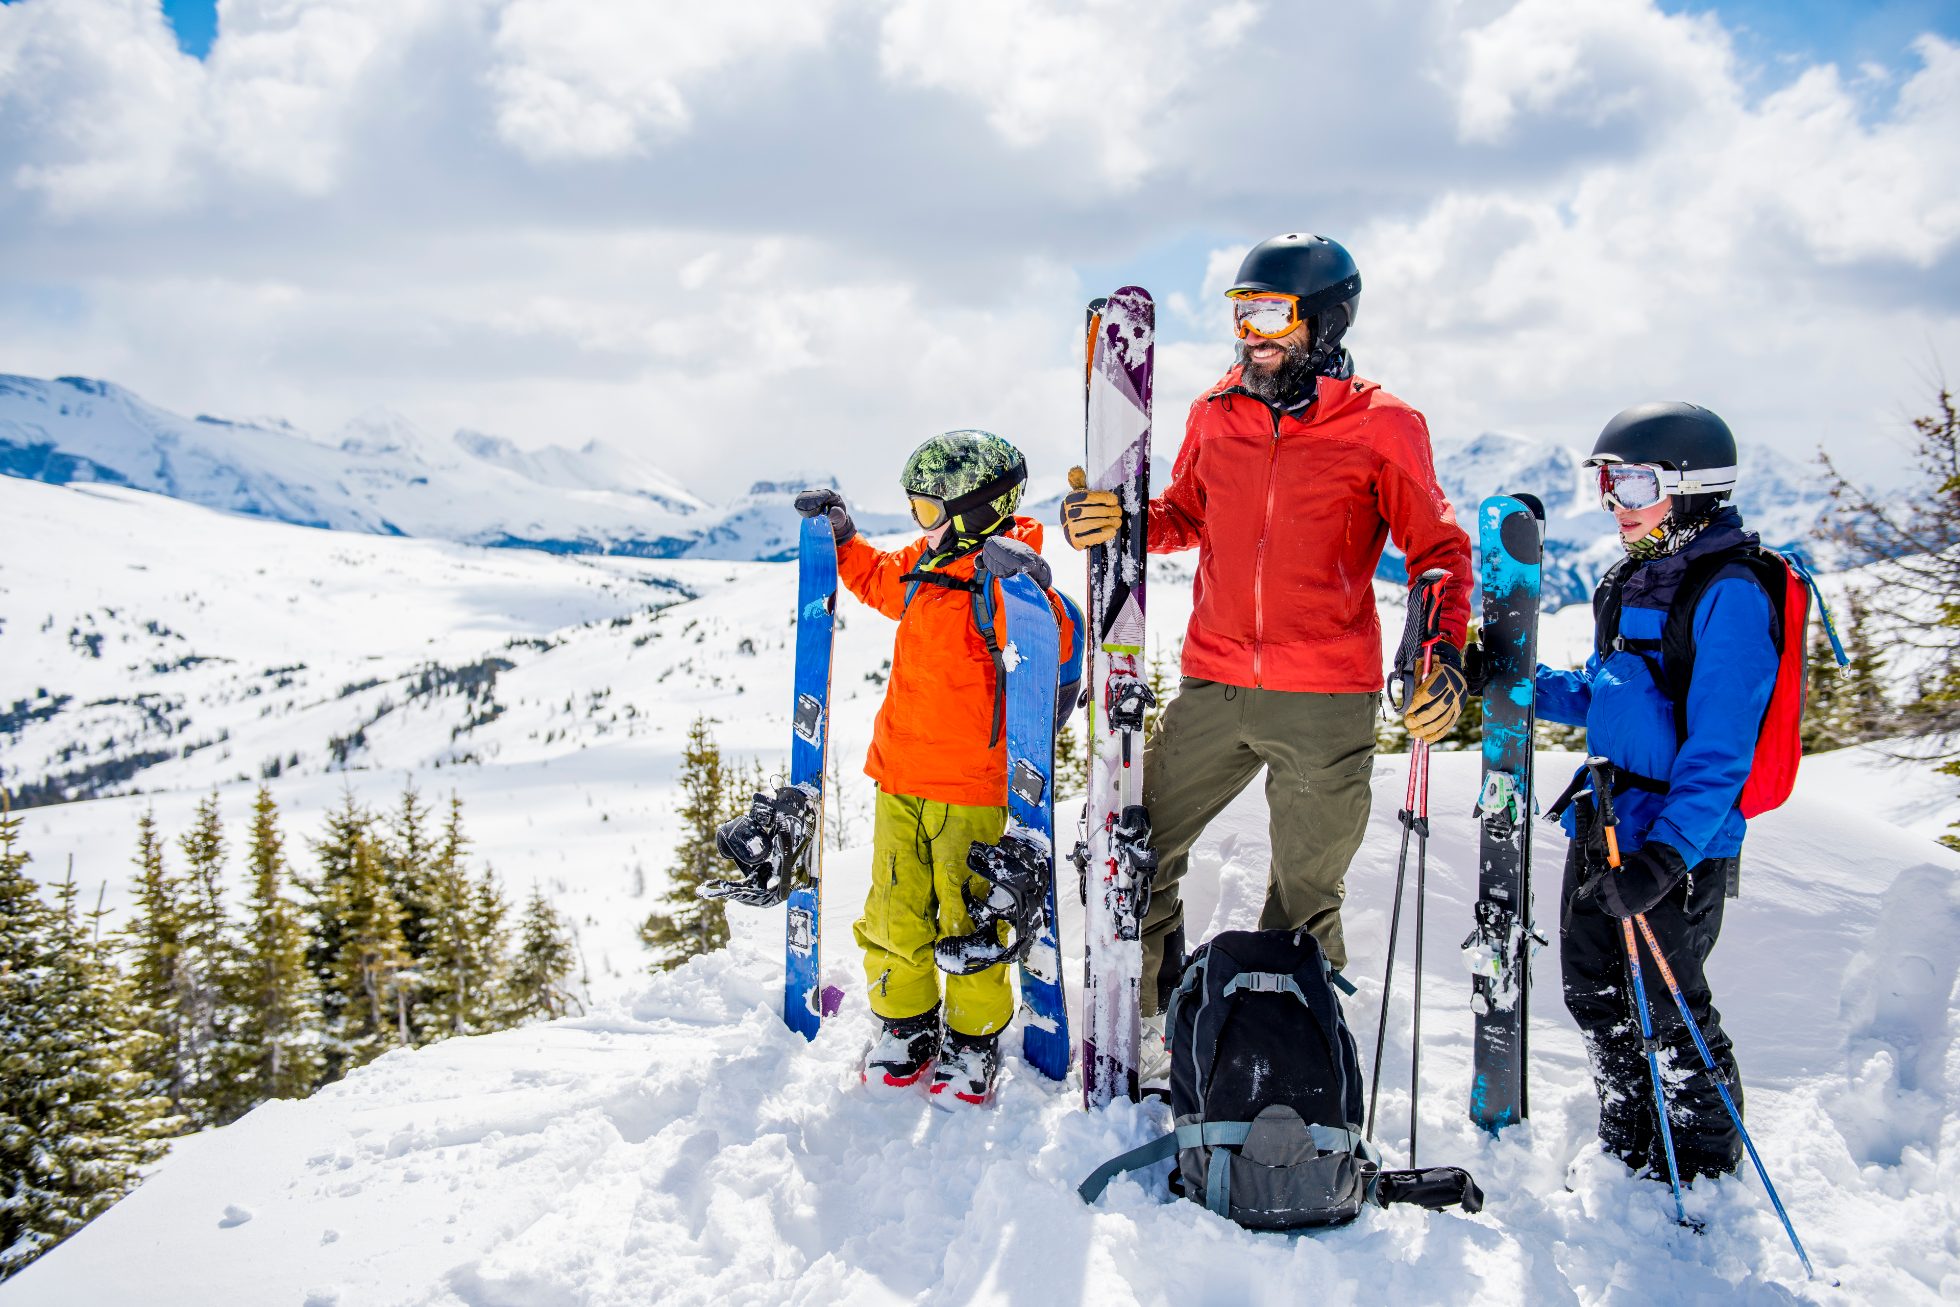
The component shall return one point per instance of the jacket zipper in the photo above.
(1259, 556)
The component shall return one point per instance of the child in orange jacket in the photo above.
(939, 754)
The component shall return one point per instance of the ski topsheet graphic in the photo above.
(816, 606)
(1114, 859)
(1033, 650)
(1498, 952)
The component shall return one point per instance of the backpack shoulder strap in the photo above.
(1606, 606)
(1676, 670)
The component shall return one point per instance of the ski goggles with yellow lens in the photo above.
(1268, 314)
(927, 510)
(1634, 486)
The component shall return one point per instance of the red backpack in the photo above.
(1787, 581)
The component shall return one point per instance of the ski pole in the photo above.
(1422, 884)
(1721, 1083)
(1420, 631)
(1637, 994)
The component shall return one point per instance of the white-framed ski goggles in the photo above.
(1634, 486)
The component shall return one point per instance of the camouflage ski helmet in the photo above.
(973, 477)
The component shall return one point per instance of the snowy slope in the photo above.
(678, 1145)
(681, 1146)
(381, 474)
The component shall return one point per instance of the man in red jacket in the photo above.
(1293, 474)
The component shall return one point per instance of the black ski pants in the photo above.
(1593, 963)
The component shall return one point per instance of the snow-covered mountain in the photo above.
(382, 475)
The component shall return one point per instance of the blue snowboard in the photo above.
(1032, 652)
(816, 607)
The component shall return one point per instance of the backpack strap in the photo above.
(1212, 1134)
(981, 590)
(1675, 670)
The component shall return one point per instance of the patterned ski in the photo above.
(1511, 532)
(1116, 457)
(1033, 647)
(816, 606)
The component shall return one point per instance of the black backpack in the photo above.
(1266, 1095)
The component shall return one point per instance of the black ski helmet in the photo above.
(1684, 438)
(1320, 272)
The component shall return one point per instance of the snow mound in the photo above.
(680, 1145)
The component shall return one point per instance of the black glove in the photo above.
(1476, 674)
(1645, 877)
(1006, 556)
(812, 502)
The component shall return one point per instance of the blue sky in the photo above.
(195, 22)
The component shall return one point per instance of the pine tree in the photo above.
(464, 966)
(545, 960)
(335, 852)
(367, 972)
(153, 939)
(686, 924)
(275, 993)
(206, 981)
(76, 1125)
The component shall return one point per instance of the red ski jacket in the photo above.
(1289, 516)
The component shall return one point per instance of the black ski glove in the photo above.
(828, 502)
(1006, 556)
(1645, 877)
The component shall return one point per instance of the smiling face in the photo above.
(1637, 523)
(1267, 355)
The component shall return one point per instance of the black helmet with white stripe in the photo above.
(1693, 448)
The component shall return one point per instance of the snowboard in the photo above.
(1113, 858)
(804, 1005)
(1033, 649)
(1511, 534)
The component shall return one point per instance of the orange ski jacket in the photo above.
(1289, 515)
(932, 733)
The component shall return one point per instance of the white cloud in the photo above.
(790, 233)
(601, 78)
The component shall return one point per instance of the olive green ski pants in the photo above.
(1318, 751)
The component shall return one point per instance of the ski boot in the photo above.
(968, 1067)
(903, 1052)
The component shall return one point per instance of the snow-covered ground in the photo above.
(677, 1144)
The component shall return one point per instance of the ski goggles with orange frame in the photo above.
(1268, 314)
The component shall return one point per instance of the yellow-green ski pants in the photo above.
(918, 866)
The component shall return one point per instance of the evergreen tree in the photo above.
(76, 1125)
(275, 994)
(463, 968)
(686, 924)
(153, 939)
(207, 961)
(349, 826)
(372, 1007)
(545, 959)
(408, 854)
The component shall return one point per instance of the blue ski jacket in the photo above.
(1629, 720)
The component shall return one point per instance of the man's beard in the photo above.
(1285, 384)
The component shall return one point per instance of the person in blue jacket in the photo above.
(1665, 471)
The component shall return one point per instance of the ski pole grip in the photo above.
(1601, 769)
(1078, 479)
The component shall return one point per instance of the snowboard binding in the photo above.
(1016, 872)
(766, 844)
